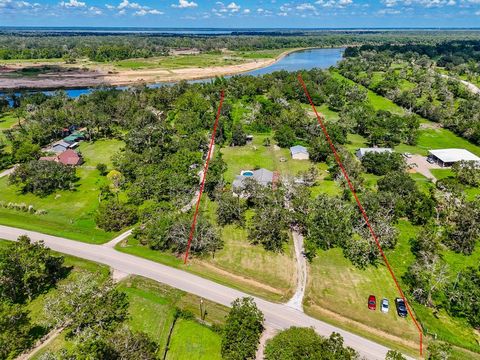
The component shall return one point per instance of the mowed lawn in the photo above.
(7, 120)
(254, 156)
(69, 213)
(191, 340)
(341, 289)
(438, 138)
(265, 270)
(152, 308)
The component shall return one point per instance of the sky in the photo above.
(242, 13)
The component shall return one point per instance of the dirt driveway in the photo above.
(422, 166)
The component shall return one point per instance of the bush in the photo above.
(114, 216)
(102, 168)
(285, 136)
(382, 163)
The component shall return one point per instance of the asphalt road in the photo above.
(277, 316)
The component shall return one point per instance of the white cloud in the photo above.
(95, 11)
(125, 4)
(26, 4)
(5, 3)
(478, 13)
(109, 7)
(390, 3)
(305, 6)
(144, 12)
(282, 14)
(388, 12)
(246, 11)
(182, 4)
(72, 4)
(424, 3)
(233, 7)
(334, 3)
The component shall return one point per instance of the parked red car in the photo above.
(372, 302)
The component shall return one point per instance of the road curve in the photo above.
(277, 316)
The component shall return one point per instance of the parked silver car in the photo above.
(384, 305)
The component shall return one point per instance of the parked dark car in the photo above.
(401, 308)
(372, 302)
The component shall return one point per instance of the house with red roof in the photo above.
(68, 157)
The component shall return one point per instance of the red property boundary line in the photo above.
(362, 210)
(205, 169)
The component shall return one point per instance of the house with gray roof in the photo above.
(262, 176)
(299, 152)
(60, 146)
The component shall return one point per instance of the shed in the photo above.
(448, 157)
(363, 151)
(299, 152)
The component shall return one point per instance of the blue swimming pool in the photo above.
(247, 173)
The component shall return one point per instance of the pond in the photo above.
(298, 60)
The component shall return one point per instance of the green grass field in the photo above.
(202, 60)
(69, 213)
(378, 102)
(341, 289)
(180, 61)
(255, 155)
(430, 139)
(261, 54)
(152, 309)
(7, 120)
(191, 340)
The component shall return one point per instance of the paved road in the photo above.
(277, 316)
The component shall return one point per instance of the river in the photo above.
(298, 60)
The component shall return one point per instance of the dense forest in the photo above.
(108, 46)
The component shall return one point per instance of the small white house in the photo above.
(363, 151)
(299, 152)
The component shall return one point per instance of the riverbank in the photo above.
(61, 76)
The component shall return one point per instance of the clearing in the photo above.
(69, 214)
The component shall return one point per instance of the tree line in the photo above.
(110, 47)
